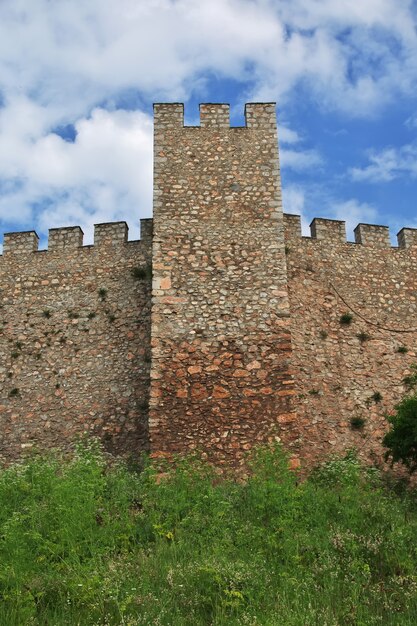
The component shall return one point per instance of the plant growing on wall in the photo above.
(401, 439)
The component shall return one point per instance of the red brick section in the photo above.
(74, 340)
(341, 366)
(220, 377)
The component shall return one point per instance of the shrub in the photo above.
(346, 318)
(363, 337)
(377, 397)
(401, 440)
(402, 349)
(102, 292)
(142, 272)
(357, 422)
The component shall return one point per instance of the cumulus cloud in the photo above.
(389, 164)
(351, 210)
(76, 62)
(104, 175)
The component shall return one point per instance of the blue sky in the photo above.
(78, 78)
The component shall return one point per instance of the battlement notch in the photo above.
(372, 235)
(330, 230)
(215, 116)
(407, 238)
(110, 233)
(292, 226)
(67, 238)
(25, 242)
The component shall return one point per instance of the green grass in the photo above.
(84, 543)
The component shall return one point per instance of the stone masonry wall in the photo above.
(349, 370)
(240, 338)
(220, 378)
(74, 340)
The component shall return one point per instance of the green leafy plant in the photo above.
(401, 440)
(377, 397)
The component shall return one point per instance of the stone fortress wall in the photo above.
(74, 339)
(238, 341)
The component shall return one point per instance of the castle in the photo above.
(221, 328)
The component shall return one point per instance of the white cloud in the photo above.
(299, 159)
(351, 211)
(65, 62)
(388, 165)
(105, 175)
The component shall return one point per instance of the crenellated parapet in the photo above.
(71, 238)
(333, 232)
(216, 116)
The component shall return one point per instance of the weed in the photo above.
(357, 423)
(14, 393)
(324, 334)
(314, 392)
(87, 543)
(377, 397)
(402, 349)
(73, 315)
(111, 317)
(46, 314)
(363, 337)
(102, 292)
(91, 315)
(142, 272)
(15, 354)
(346, 319)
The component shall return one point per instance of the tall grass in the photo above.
(85, 543)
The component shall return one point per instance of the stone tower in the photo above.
(220, 374)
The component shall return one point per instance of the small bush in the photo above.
(46, 314)
(357, 423)
(402, 349)
(346, 319)
(401, 440)
(73, 315)
(324, 334)
(363, 337)
(142, 272)
(91, 315)
(14, 393)
(314, 392)
(102, 292)
(377, 397)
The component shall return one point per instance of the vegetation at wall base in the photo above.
(85, 542)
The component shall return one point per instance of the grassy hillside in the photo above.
(82, 543)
